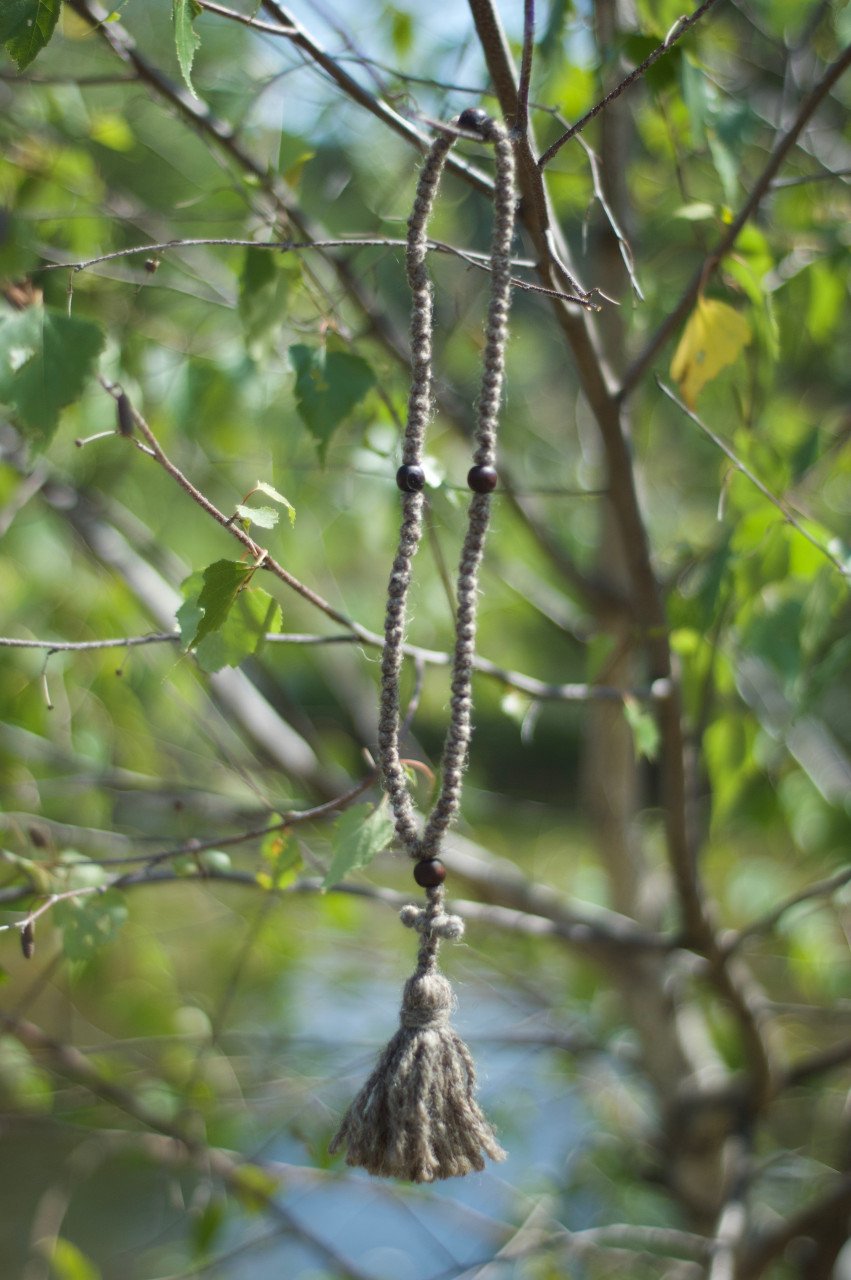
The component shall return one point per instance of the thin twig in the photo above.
(266, 27)
(538, 690)
(623, 243)
(679, 29)
(283, 246)
(766, 923)
(356, 92)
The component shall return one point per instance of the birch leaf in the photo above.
(713, 338)
(186, 38)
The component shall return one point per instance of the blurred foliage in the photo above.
(195, 979)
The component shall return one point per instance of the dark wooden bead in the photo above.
(474, 118)
(482, 479)
(125, 415)
(429, 873)
(411, 479)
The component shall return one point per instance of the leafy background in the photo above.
(182, 984)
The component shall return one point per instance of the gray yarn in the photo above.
(416, 1118)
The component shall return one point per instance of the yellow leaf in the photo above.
(712, 339)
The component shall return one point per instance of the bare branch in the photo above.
(283, 246)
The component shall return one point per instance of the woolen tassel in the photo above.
(416, 1118)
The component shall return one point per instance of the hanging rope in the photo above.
(416, 1117)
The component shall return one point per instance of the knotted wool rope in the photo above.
(416, 1118)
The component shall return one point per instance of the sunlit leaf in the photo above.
(223, 619)
(360, 834)
(263, 517)
(221, 583)
(713, 338)
(273, 493)
(282, 852)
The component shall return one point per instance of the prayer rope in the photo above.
(416, 1118)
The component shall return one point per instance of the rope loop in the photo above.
(482, 480)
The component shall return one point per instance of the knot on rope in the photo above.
(426, 1001)
(437, 924)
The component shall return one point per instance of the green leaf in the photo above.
(645, 730)
(222, 619)
(26, 27)
(90, 922)
(189, 615)
(272, 493)
(263, 517)
(281, 850)
(67, 1262)
(328, 385)
(221, 583)
(360, 834)
(186, 38)
(244, 631)
(264, 291)
(828, 290)
(46, 359)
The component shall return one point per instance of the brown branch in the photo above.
(760, 189)
(256, 25)
(594, 378)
